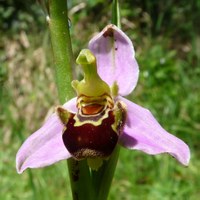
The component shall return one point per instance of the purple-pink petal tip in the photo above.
(45, 146)
(144, 133)
(42, 148)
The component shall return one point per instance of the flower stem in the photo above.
(62, 48)
(102, 179)
(80, 180)
(63, 56)
(116, 13)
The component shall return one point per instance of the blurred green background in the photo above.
(167, 42)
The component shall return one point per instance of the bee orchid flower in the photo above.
(90, 125)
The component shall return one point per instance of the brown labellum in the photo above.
(90, 140)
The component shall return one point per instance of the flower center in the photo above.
(93, 131)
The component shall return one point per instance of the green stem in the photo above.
(116, 13)
(80, 180)
(102, 179)
(64, 61)
(62, 48)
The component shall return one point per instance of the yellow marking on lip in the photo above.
(90, 121)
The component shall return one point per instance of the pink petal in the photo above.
(143, 132)
(71, 105)
(45, 146)
(115, 58)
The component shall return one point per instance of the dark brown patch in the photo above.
(109, 33)
(88, 140)
(75, 175)
(75, 171)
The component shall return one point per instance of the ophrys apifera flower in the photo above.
(90, 125)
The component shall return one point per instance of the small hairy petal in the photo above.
(45, 146)
(115, 58)
(143, 132)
